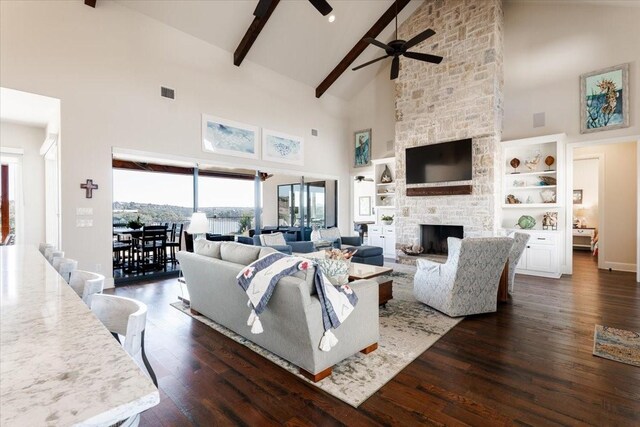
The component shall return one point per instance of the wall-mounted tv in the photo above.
(443, 162)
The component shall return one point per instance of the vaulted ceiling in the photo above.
(297, 41)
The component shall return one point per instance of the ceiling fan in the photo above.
(361, 178)
(397, 48)
(263, 5)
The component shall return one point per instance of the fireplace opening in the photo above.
(434, 237)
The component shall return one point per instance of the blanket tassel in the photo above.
(252, 318)
(328, 341)
(257, 326)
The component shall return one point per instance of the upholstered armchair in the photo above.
(519, 244)
(468, 282)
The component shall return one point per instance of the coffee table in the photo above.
(365, 271)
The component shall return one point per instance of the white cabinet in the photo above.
(540, 258)
(385, 237)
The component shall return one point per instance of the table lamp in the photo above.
(199, 225)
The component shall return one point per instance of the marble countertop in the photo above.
(58, 364)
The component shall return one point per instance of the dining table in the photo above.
(59, 365)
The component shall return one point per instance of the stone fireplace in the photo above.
(434, 237)
(462, 97)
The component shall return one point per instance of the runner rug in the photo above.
(617, 344)
(407, 329)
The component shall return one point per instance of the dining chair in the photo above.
(64, 267)
(125, 317)
(86, 284)
(151, 248)
(175, 245)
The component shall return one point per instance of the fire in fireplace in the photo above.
(434, 237)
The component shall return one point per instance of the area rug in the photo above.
(617, 344)
(407, 329)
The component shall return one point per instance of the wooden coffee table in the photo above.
(359, 271)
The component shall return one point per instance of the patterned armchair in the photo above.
(468, 282)
(519, 244)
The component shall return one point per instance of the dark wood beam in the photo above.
(91, 3)
(252, 34)
(355, 52)
(181, 170)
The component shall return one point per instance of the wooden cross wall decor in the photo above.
(89, 187)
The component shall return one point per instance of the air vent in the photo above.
(538, 120)
(167, 93)
(314, 132)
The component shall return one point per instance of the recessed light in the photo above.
(332, 18)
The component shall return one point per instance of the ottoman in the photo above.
(371, 255)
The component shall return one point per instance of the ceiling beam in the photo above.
(91, 3)
(252, 34)
(355, 52)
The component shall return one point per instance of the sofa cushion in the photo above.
(265, 250)
(330, 234)
(273, 239)
(239, 253)
(207, 248)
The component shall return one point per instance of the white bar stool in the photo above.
(86, 284)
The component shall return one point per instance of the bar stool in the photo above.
(126, 317)
(43, 246)
(86, 284)
(64, 267)
(51, 253)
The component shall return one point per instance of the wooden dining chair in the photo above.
(151, 248)
(86, 284)
(174, 244)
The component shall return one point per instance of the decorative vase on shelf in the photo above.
(526, 222)
(386, 177)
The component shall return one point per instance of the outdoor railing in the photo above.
(227, 225)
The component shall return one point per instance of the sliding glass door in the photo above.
(315, 209)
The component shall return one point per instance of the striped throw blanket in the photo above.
(260, 278)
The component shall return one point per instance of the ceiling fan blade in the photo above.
(419, 38)
(262, 8)
(369, 63)
(322, 5)
(424, 57)
(377, 43)
(395, 67)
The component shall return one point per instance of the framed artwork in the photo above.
(364, 206)
(230, 138)
(282, 148)
(362, 148)
(604, 99)
(577, 197)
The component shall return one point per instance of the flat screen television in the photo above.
(443, 162)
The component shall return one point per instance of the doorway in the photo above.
(603, 187)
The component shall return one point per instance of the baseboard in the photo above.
(109, 283)
(620, 266)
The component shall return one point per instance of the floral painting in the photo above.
(362, 148)
(230, 138)
(604, 98)
(282, 148)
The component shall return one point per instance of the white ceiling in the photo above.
(296, 42)
(28, 108)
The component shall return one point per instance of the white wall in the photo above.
(619, 228)
(29, 139)
(585, 178)
(107, 64)
(547, 48)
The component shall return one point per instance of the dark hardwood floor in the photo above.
(528, 364)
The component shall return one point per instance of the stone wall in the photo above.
(462, 97)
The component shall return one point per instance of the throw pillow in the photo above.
(336, 270)
(273, 239)
(330, 234)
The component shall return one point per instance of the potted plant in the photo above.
(387, 219)
(135, 224)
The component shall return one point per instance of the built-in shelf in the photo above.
(532, 187)
(386, 194)
(386, 183)
(530, 205)
(531, 173)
